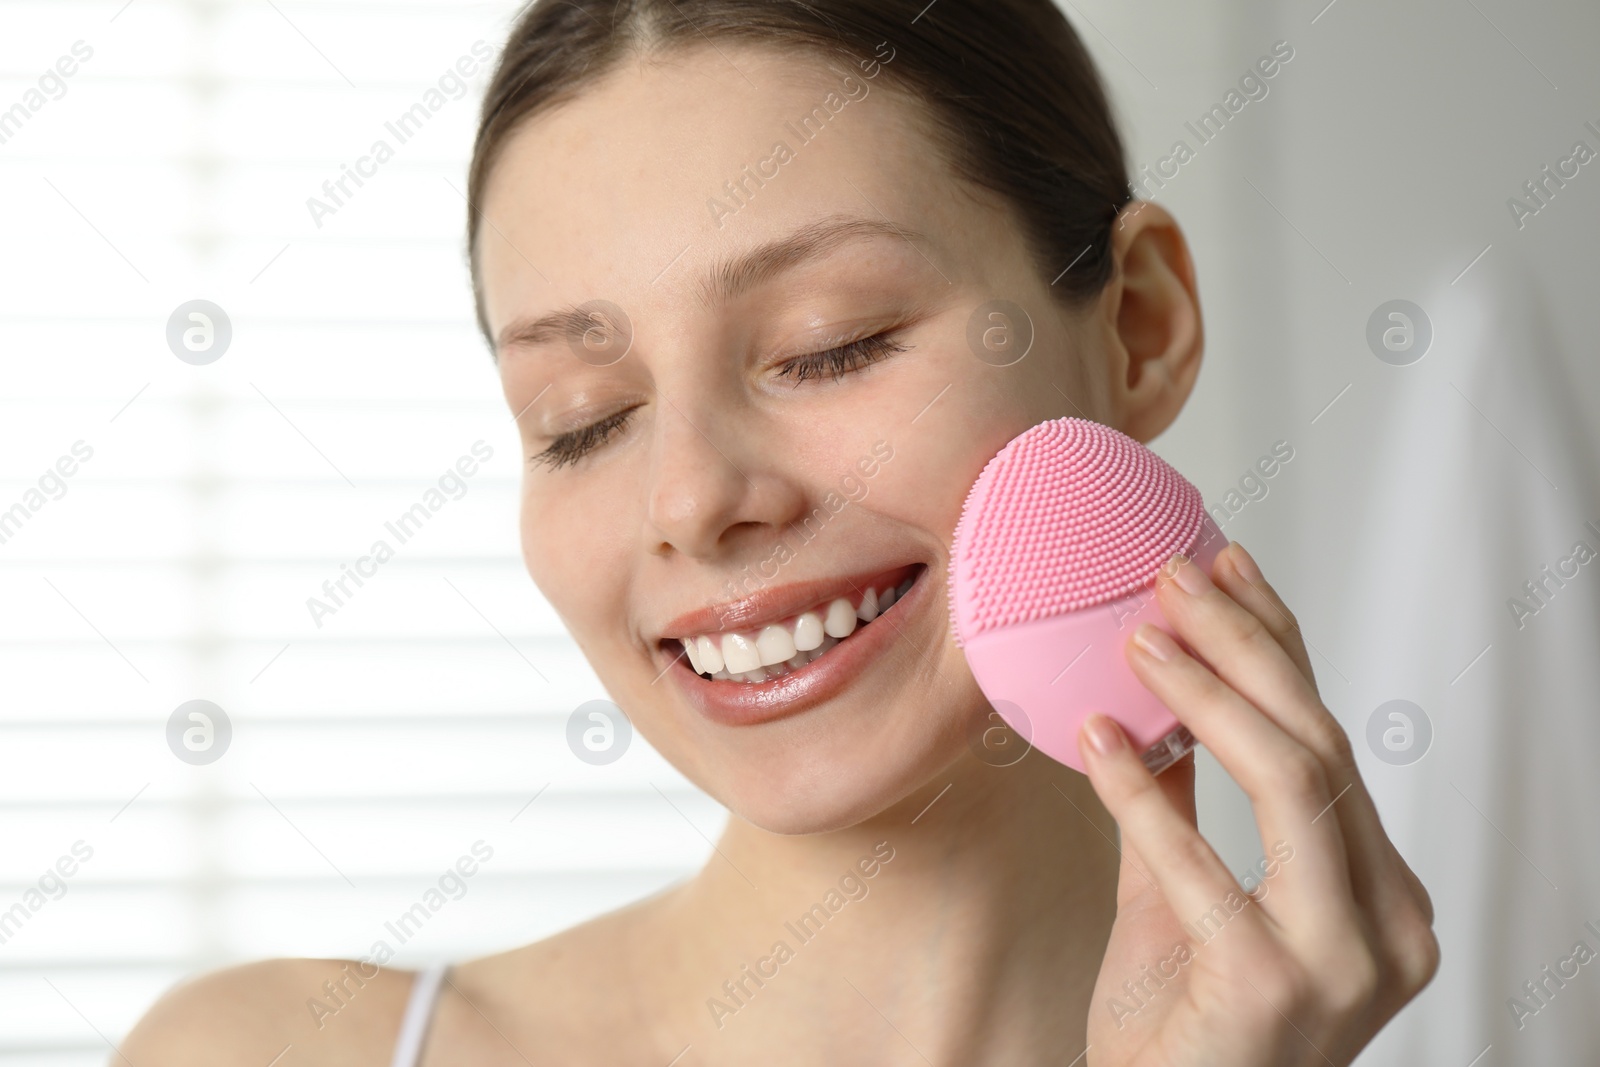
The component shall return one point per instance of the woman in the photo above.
(740, 264)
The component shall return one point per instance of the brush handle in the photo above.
(1046, 676)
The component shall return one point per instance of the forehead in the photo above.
(669, 163)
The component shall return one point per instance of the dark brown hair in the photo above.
(1015, 99)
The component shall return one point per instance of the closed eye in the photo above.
(835, 363)
(570, 447)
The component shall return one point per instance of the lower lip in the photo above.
(750, 703)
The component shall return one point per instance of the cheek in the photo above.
(939, 456)
(939, 452)
(572, 547)
(537, 543)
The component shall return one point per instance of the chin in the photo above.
(816, 706)
(836, 779)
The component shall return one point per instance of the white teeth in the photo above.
(778, 649)
(840, 620)
(710, 655)
(775, 645)
(808, 631)
(739, 654)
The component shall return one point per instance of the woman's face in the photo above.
(717, 456)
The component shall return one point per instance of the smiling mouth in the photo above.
(759, 654)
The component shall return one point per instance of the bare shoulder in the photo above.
(538, 1004)
(293, 1012)
(571, 997)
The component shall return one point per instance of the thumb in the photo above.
(1177, 784)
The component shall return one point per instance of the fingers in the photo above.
(1237, 574)
(1185, 869)
(1246, 655)
(1134, 880)
(1238, 639)
(1286, 782)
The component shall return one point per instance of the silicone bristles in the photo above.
(1067, 515)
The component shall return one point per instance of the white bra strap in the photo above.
(419, 1012)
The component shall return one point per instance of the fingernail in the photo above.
(1104, 736)
(1191, 578)
(1245, 563)
(1155, 641)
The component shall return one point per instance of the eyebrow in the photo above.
(727, 279)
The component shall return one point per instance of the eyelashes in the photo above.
(573, 446)
(833, 364)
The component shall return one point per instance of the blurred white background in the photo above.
(369, 752)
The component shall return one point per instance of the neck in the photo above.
(965, 924)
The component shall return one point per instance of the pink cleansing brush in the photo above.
(1053, 567)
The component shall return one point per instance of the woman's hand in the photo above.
(1335, 936)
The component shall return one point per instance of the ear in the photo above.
(1151, 315)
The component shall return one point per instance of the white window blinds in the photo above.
(164, 522)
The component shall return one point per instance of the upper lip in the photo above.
(781, 601)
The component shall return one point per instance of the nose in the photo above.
(712, 487)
